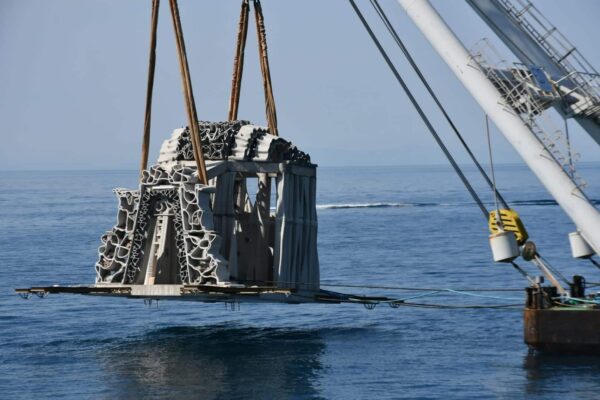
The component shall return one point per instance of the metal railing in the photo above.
(521, 96)
(578, 70)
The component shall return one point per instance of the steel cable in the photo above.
(421, 113)
(417, 70)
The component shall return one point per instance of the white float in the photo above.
(579, 247)
(504, 246)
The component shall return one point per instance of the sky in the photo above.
(73, 80)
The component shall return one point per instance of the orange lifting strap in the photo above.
(238, 65)
(150, 87)
(188, 93)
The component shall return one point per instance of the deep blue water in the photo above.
(413, 227)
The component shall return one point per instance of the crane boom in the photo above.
(537, 157)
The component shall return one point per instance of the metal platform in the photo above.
(211, 294)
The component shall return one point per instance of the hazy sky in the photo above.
(73, 76)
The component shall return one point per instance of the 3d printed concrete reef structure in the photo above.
(174, 230)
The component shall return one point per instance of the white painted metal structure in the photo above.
(536, 42)
(560, 185)
(579, 247)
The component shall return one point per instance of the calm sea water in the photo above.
(401, 226)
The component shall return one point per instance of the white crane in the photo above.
(544, 164)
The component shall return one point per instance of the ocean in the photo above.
(411, 227)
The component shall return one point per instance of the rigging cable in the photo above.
(596, 264)
(421, 113)
(371, 303)
(523, 272)
(492, 182)
(417, 70)
(386, 287)
(569, 151)
(489, 142)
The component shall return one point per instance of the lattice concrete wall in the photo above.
(116, 243)
(122, 254)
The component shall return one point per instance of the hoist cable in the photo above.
(420, 111)
(417, 70)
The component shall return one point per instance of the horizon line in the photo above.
(319, 166)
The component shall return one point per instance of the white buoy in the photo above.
(504, 246)
(579, 247)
